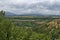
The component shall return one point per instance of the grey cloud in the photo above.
(54, 7)
(40, 7)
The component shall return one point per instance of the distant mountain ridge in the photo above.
(9, 14)
(30, 14)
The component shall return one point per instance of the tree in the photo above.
(2, 13)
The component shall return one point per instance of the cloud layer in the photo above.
(47, 7)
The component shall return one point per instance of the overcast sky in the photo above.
(31, 6)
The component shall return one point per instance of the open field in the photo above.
(29, 20)
(34, 20)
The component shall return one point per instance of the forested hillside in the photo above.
(29, 28)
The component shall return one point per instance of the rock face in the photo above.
(54, 23)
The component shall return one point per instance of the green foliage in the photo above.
(27, 30)
(2, 13)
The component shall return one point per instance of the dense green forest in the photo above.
(28, 28)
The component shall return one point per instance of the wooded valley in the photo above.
(29, 27)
